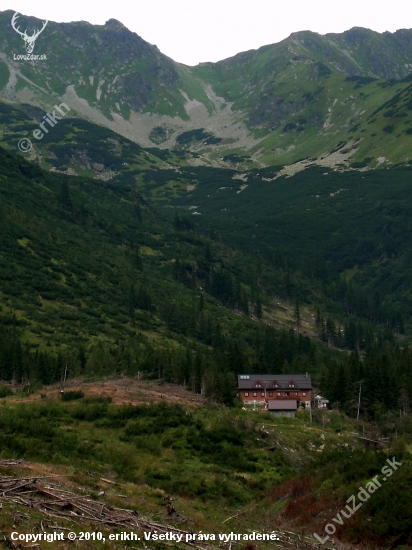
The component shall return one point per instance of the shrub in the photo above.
(98, 399)
(71, 395)
(5, 391)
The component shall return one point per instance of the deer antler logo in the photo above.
(29, 41)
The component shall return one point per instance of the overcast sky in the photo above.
(193, 31)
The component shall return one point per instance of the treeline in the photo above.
(345, 298)
(379, 382)
(28, 367)
(355, 334)
(208, 370)
(358, 302)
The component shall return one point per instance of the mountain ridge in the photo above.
(249, 104)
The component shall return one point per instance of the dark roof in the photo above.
(282, 405)
(248, 381)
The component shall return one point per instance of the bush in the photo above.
(71, 395)
(98, 399)
(150, 444)
(5, 391)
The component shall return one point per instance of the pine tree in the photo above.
(138, 212)
(137, 259)
(81, 357)
(245, 304)
(297, 314)
(330, 331)
(132, 304)
(177, 223)
(208, 253)
(318, 321)
(144, 299)
(64, 197)
(258, 308)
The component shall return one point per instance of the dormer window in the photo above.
(275, 384)
(258, 384)
(292, 384)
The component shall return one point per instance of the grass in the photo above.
(90, 440)
(225, 469)
(163, 446)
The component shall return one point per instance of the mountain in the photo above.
(299, 99)
(160, 245)
(105, 73)
(309, 94)
(356, 225)
(176, 227)
(95, 280)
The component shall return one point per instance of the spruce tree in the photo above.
(297, 314)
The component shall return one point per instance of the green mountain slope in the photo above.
(108, 66)
(298, 99)
(321, 251)
(95, 281)
(303, 102)
(342, 228)
(93, 275)
(362, 235)
(187, 225)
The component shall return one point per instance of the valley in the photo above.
(180, 226)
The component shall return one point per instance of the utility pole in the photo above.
(311, 402)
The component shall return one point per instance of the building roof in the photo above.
(282, 405)
(268, 381)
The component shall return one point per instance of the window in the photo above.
(244, 377)
(279, 393)
(271, 394)
(304, 394)
(295, 393)
(246, 394)
(257, 385)
(263, 394)
(254, 394)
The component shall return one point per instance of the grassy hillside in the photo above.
(327, 111)
(340, 228)
(109, 67)
(94, 280)
(301, 98)
(208, 469)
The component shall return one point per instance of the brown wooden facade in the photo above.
(261, 389)
(259, 395)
